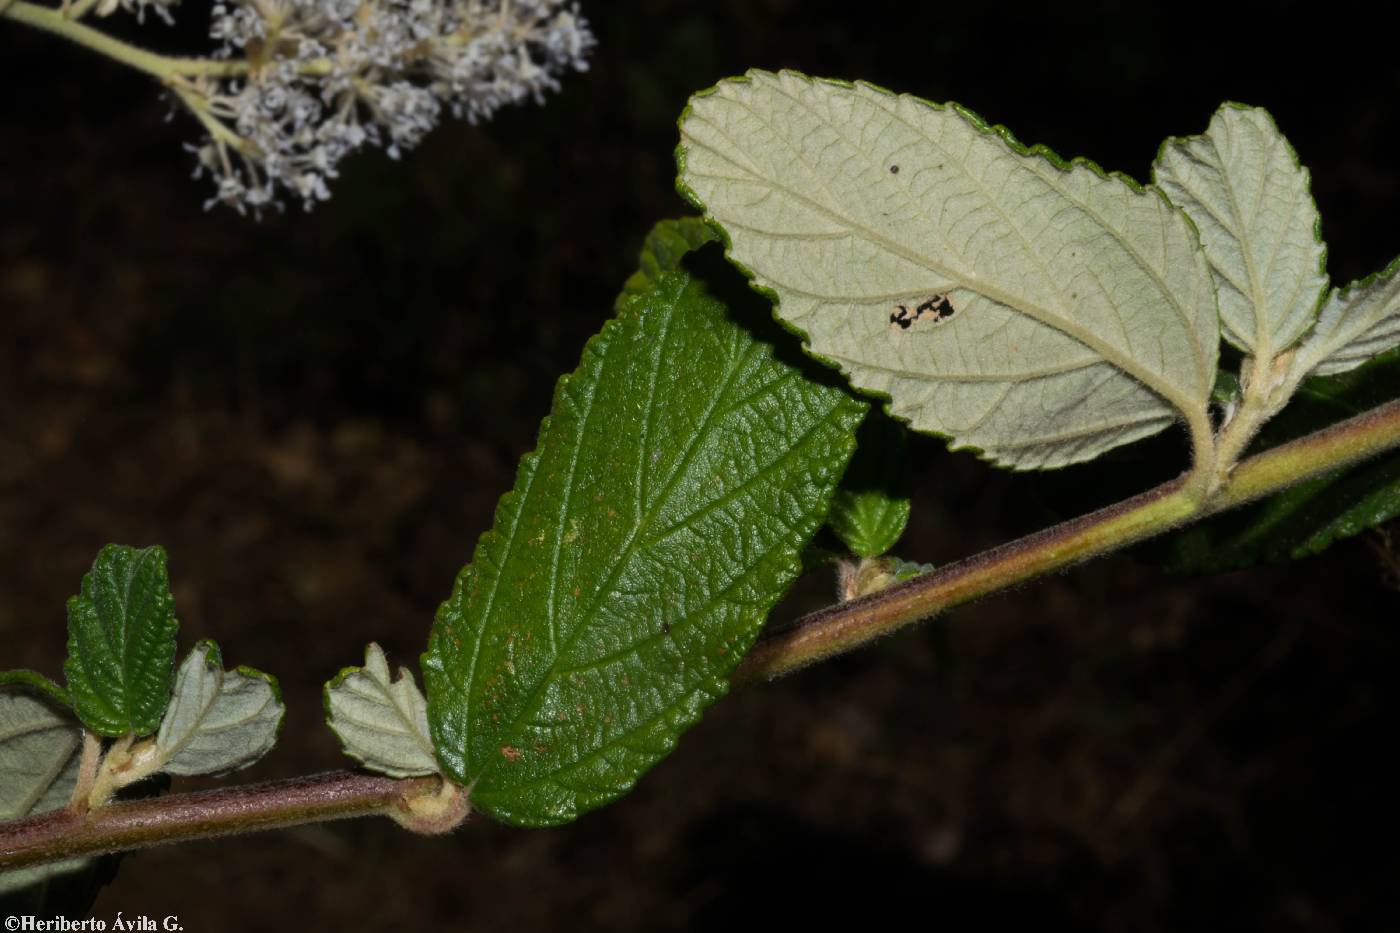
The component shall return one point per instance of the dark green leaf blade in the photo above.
(1307, 518)
(121, 642)
(679, 474)
(871, 507)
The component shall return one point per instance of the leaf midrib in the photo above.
(586, 614)
(47, 780)
(714, 599)
(387, 695)
(1049, 318)
(1038, 167)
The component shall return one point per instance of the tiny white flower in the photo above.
(347, 74)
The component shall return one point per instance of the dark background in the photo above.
(315, 414)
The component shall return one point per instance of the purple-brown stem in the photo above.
(204, 814)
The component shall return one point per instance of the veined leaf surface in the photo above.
(1242, 185)
(121, 642)
(1357, 324)
(681, 470)
(1068, 311)
(218, 720)
(871, 506)
(381, 722)
(40, 745)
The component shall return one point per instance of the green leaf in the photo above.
(1227, 388)
(121, 642)
(218, 721)
(872, 574)
(1357, 323)
(381, 722)
(871, 506)
(902, 569)
(1307, 518)
(40, 747)
(681, 470)
(1243, 187)
(1039, 311)
(662, 251)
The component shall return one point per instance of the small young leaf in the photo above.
(872, 574)
(681, 470)
(218, 721)
(381, 722)
(1357, 324)
(40, 745)
(121, 642)
(1040, 311)
(871, 506)
(1242, 185)
(908, 569)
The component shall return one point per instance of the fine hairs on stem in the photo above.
(823, 634)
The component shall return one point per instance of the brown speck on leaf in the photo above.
(577, 590)
(894, 169)
(510, 753)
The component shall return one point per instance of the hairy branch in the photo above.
(823, 634)
(837, 629)
(226, 811)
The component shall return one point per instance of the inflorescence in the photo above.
(297, 85)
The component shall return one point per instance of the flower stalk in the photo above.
(294, 86)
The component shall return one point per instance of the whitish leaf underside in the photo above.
(1243, 187)
(40, 742)
(381, 722)
(1357, 323)
(218, 720)
(1080, 314)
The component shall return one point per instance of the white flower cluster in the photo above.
(138, 7)
(326, 77)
